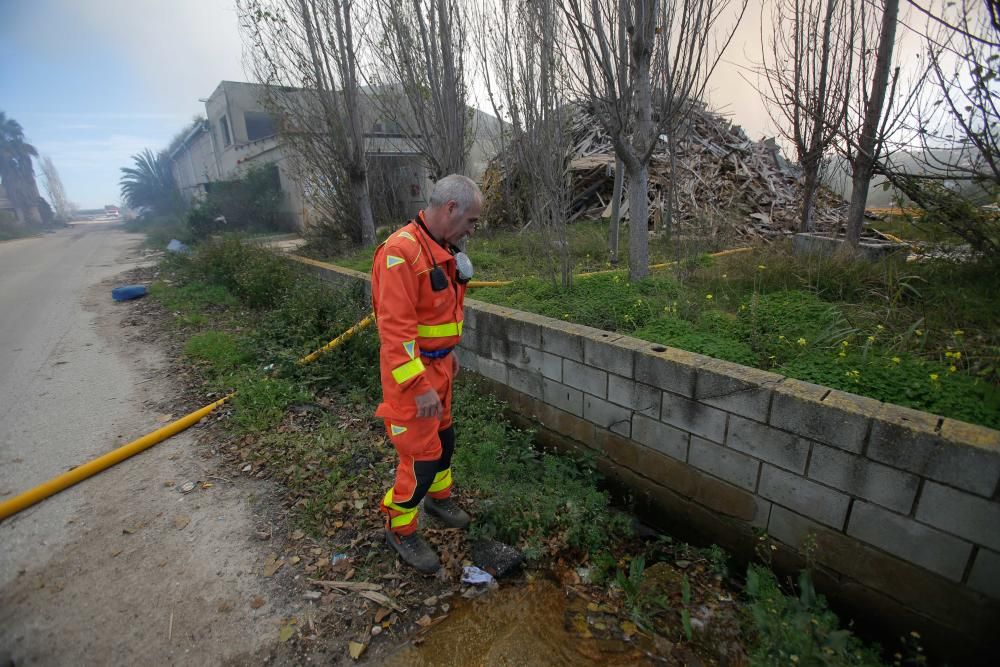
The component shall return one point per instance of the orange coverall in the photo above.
(416, 326)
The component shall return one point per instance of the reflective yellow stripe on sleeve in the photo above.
(408, 370)
(439, 330)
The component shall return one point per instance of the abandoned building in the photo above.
(240, 132)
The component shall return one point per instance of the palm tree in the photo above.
(16, 172)
(150, 183)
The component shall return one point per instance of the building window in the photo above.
(226, 138)
(259, 125)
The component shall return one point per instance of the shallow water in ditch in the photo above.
(533, 624)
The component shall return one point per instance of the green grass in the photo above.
(798, 629)
(911, 229)
(543, 502)
(501, 255)
(191, 298)
(218, 349)
(922, 335)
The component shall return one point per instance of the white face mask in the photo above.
(464, 266)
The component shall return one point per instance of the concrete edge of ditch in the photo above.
(903, 505)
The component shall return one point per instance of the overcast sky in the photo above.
(95, 81)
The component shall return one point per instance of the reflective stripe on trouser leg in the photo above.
(402, 512)
(401, 520)
(441, 488)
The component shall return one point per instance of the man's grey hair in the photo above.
(461, 189)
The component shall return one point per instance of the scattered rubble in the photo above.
(726, 183)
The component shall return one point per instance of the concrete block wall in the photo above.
(904, 506)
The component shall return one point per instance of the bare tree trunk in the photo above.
(359, 188)
(810, 190)
(864, 162)
(638, 206)
(614, 226)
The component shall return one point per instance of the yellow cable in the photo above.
(67, 479)
(312, 356)
(71, 477)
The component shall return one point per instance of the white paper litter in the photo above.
(473, 575)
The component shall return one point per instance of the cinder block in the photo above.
(607, 415)
(641, 398)
(738, 389)
(805, 497)
(492, 369)
(502, 350)
(468, 361)
(960, 454)
(863, 478)
(525, 381)
(909, 540)
(563, 341)
(526, 329)
(985, 575)
(600, 352)
(724, 463)
(976, 519)
(819, 413)
(526, 358)
(552, 366)
(590, 380)
(468, 341)
(672, 370)
(492, 322)
(469, 315)
(768, 444)
(565, 398)
(790, 528)
(659, 436)
(693, 417)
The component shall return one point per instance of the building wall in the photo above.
(904, 506)
(210, 156)
(194, 165)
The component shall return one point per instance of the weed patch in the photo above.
(218, 349)
(543, 502)
(798, 629)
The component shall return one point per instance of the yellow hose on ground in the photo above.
(24, 500)
(312, 356)
(71, 477)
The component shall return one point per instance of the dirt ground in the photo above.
(145, 573)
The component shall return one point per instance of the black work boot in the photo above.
(414, 551)
(447, 512)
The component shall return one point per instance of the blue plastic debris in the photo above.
(128, 292)
(178, 246)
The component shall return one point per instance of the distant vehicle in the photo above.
(112, 211)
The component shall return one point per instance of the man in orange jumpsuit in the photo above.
(418, 287)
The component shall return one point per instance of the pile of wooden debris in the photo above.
(726, 183)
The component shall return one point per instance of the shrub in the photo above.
(254, 202)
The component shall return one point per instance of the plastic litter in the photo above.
(178, 246)
(473, 575)
(128, 292)
(336, 558)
